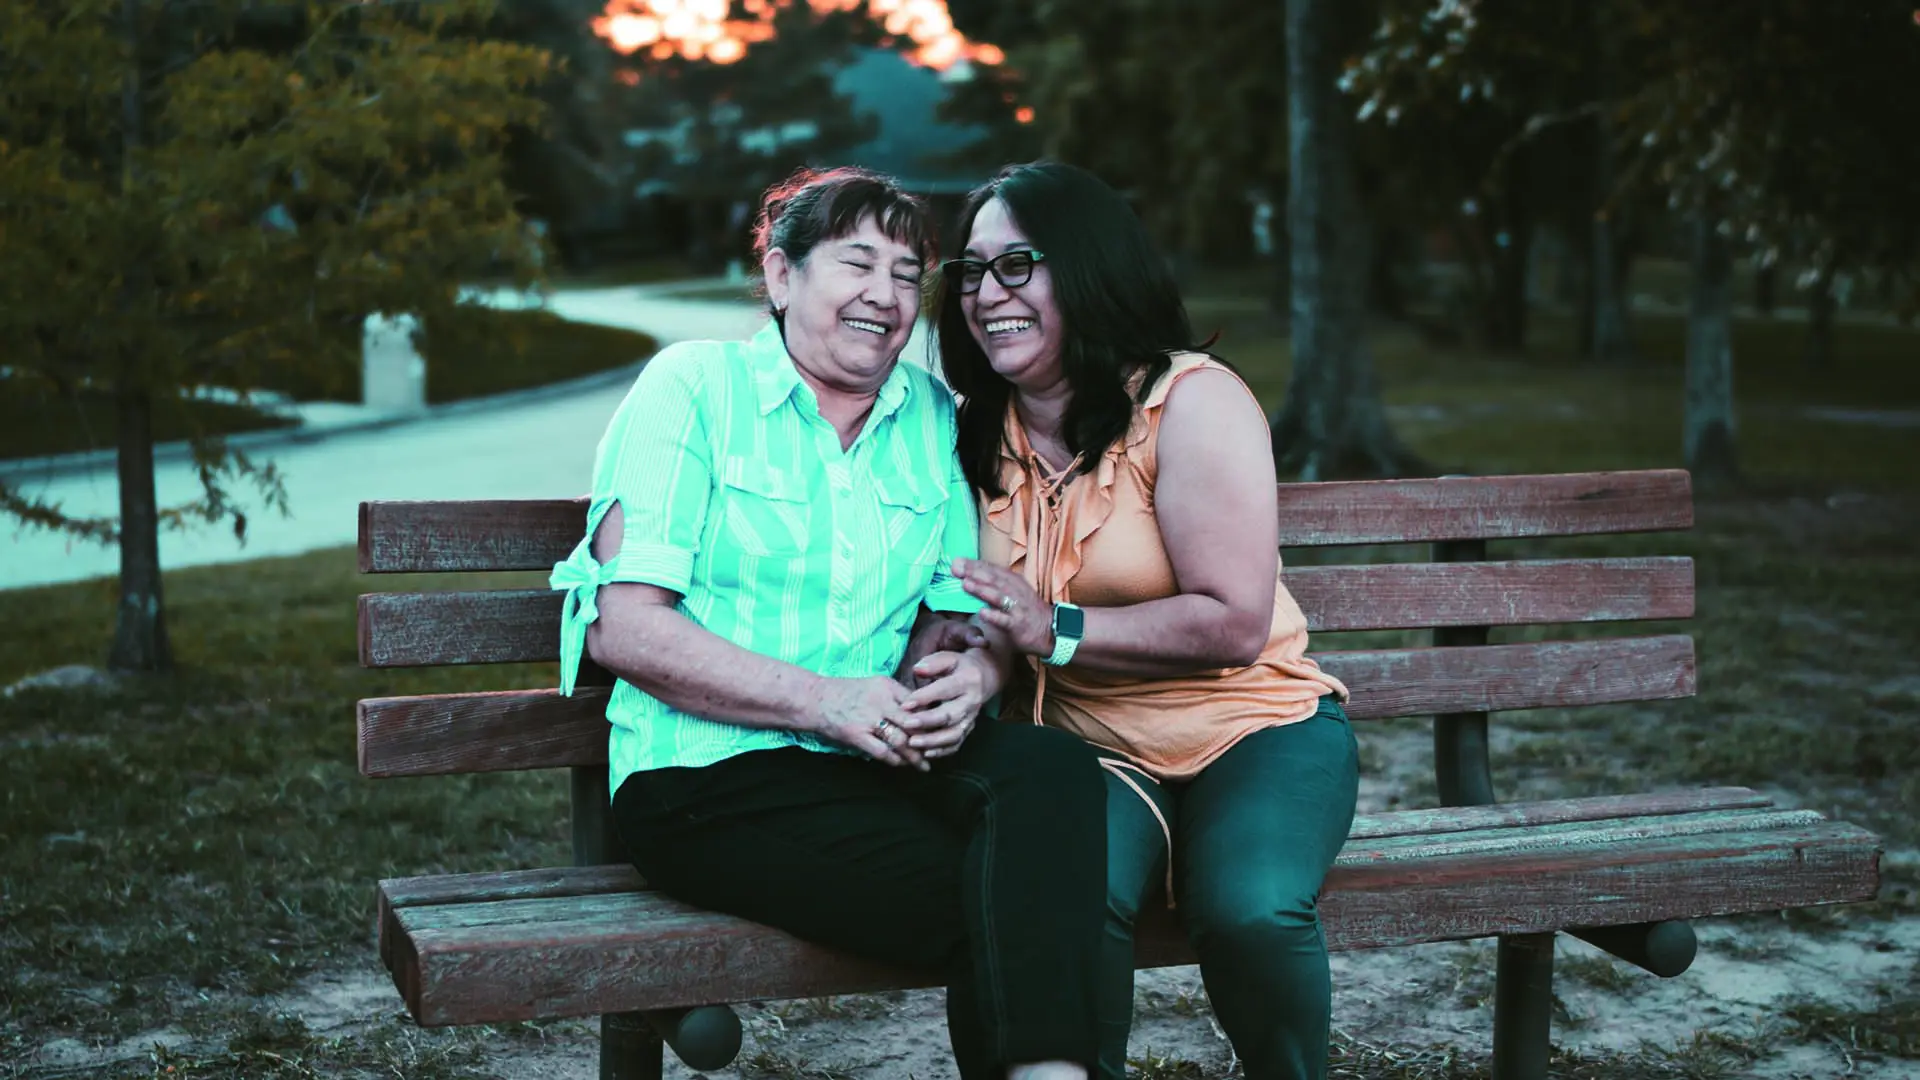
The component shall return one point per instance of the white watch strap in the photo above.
(1063, 648)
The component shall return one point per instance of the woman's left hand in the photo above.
(947, 705)
(1013, 607)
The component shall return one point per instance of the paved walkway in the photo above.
(518, 446)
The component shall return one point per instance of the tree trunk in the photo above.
(140, 636)
(704, 254)
(1560, 271)
(1821, 305)
(1610, 336)
(1332, 423)
(1709, 414)
(1585, 293)
(1766, 289)
(1504, 323)
(140, 633)
(1506, 233)
(1282, 296)
(1385, 297)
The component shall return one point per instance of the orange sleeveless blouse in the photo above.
(1096, 543)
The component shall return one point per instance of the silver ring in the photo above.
(1006, 604)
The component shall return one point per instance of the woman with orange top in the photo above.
(1129, 547)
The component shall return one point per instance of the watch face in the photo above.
(1069, 622)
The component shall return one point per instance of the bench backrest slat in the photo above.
(436, 537)
(535, 729)
(521, 625)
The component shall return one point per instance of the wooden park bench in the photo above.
(1624, 872)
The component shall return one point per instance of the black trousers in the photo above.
(990, 870)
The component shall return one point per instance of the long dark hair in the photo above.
(1121, 313)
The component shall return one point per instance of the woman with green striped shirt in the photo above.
(771, 520)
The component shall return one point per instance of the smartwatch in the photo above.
(1069, 626)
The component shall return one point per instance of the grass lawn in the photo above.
(1549, 409)
(727, 294)
(500, 351)
(178, 849)
(489, 352)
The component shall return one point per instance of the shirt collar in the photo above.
(775, 379)
(774, 376)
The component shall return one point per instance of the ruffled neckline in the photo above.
(1087, 502)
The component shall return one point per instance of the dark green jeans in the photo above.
(1254, 835)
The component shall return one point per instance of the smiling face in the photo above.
(1019, 329)
(850, 306)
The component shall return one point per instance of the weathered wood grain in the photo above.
(1484, 507)
(581, 955)
(544, 883)
(1498, 678)
(517, 625)
(1616, 835)
(565, 881)
(479, 534)
(540, 884)
(499, 626)
(499, 731)
(1403, 596)
(539, 729)
(1453, 819)
(534, 534)
(557, 882)
(1613, 833)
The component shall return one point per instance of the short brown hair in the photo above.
(816, 205)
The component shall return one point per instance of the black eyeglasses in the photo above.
(1011, 269)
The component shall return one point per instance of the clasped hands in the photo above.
(927, 716)
(930, 710)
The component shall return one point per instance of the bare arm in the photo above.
(641, 638)
(1218, 519)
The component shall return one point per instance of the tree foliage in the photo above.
(1183, 105)
(718, 134)
(569, 172)
(1782, 119)
(1775, 126)
(218, 192)
(1192, 107)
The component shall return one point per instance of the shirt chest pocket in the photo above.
(766, 510)
(913, 516)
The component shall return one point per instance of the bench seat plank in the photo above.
(395, 893)
(521, 625)
(533, 534)
(607, 951)
(539, 729)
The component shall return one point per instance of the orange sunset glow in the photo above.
(704, 30)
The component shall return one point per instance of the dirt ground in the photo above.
(1801, 996)
(1415, 1012)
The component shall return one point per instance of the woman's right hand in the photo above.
(868, 715)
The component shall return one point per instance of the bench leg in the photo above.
(630, 1049)
(1523, 1007)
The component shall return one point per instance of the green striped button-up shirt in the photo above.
(737, 495)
